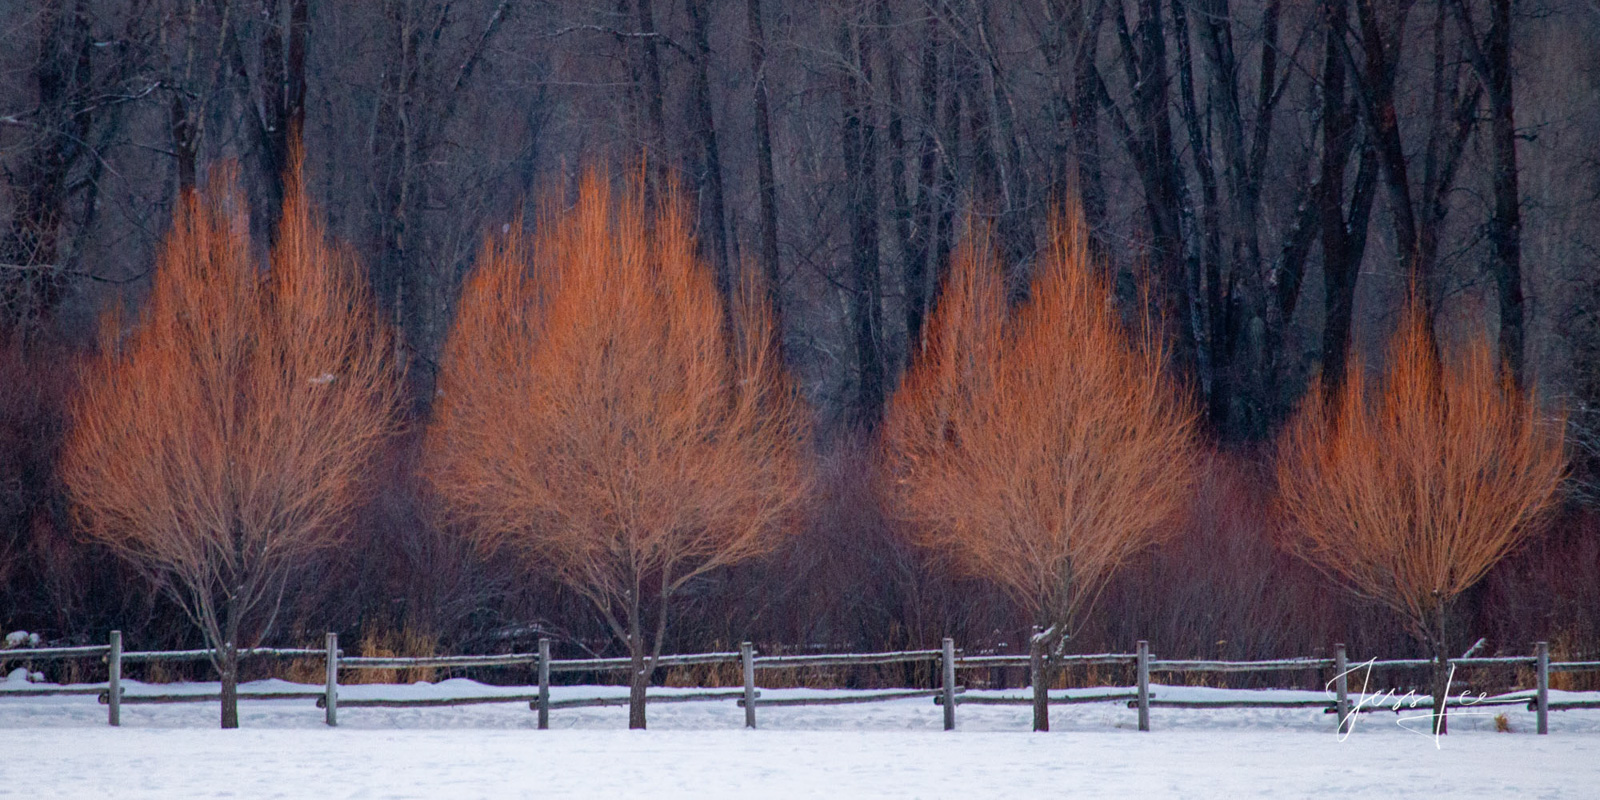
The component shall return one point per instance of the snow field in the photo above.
(60, 747)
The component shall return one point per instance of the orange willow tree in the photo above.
(595, 416)
(1039, 447)
(221, 441)
(1409, 489)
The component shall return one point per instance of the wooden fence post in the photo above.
(114, 680)
(949, 684)
(1542, 654)
(1041, 682)
(997, 675)
(544, 684)
(1341, 684)
(330, 699)
(747, 658)
(1144, 685)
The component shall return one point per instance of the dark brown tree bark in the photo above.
(1416, 216)
(1491, 59)
(1146, 131)
(653, 98)
(860, 143)
(900, 205)
(766, 181)
(708, 175)
(1086, 127)
(31, 274)
(421, 92)
(1343, 237)
(282, 92)
(184, 120)
(918, 289)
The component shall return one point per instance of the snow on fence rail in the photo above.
(949, 695)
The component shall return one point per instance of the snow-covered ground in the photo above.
(61, 747)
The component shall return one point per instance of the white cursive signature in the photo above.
(1395, 702)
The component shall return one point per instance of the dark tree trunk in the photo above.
(1147, 133)
(227, 660)
(1086, 129)
(1505, 227)
(713, 216)
(954, 172)
(767, 186)
(655, 116)
(1491, 58)
(1417, 217)
(283, 96)
(638, 672)
(860, 162)
(917, 288)
(228, 668)
(1219, 328)
(184, 143)
(32, 282)
(1343, 237)
(899, 196)
(1440, 688)
(1376, 79)
(1004, 152)
(184, 120)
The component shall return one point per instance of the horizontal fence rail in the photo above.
(1242, 666)
(1041, 666)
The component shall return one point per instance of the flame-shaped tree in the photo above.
(1039, 448)
(599, 416)
(1409, 489)
(223, 439)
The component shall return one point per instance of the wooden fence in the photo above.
(949, 694)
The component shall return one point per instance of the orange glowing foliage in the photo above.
(595, 416)
(1043, 446)
(225, 435)
(1410, 488)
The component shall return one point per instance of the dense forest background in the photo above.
(1269, 176)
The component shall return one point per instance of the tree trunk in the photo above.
(62, 78)
(918, 287)
(1491, 59)
(860, 161)
(639, 674)
(713, 217)
(906, 249)
(228, 667)
(1505, 227)
(1150, 144)
(283, 92)
(1037, 671)
(1085, 118)
(768, 187)
(656, 136)
(1342, 248)
(1440, 677)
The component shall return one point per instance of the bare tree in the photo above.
(595, 417)
(223, 439)
(1042, 450)
(1417, 204)
(1490, 55)
(859, 138)
(1407, 491)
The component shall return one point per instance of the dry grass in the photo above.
(385, 642)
